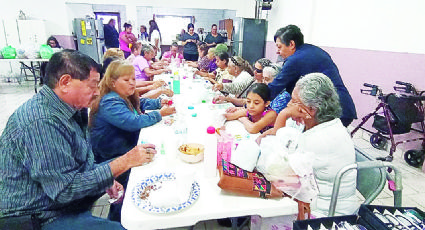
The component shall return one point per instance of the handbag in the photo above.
(236, 180)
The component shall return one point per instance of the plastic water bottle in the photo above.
(176, 83)
(210, 153)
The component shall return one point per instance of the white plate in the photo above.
(145, 205)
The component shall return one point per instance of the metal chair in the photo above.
(371, 179)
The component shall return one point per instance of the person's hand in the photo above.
(219, 100)
(167, 110)
(242, 118)
(268, 132)
(156, 84)
(116, 192)
(230, 116)
(162, 82)
(167, 92)
(166, 70)
(218, 87)
(140, 154)
(232, 109)
(164, 101)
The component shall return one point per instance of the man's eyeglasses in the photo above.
(258, 70)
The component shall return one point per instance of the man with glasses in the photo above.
(301, 59)
(47, 165)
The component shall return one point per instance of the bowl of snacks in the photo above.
(192, 152)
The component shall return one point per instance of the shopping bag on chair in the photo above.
(236, 180)
(241, 182)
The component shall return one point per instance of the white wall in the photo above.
(385, 25)
(53, 12)
(58, 15)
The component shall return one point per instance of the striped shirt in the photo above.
(46, 164)
(242, 81)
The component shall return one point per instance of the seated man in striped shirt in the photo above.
(47, 165)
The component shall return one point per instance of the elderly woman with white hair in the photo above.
(315, 103)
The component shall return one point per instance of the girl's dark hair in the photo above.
(262, 90)
(126, 25)
(224, 57)
(190, 25)
(153, 26)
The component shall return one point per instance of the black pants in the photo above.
(191, 57)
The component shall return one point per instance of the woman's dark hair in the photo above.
(153, 26)
(190, 25)
(262, 90)
(174, 44)
(288, 33)
(127, 25)
(51, 38)
(71, 62)
(144, 27)
(224, 57)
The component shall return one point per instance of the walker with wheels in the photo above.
(395, 115)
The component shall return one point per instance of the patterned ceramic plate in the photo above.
(154, 180)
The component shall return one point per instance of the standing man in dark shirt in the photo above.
(111, 35)
(214, 38)
(47, 164)
(301, 59)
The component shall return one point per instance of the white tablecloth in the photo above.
(212, 203)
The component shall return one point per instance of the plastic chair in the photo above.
(371, 180)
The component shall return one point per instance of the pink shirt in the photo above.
(168, 55)
(140, 64)
(123, 44)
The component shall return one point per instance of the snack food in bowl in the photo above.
(192, 152)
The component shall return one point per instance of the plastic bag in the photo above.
(46, 51)
(289, 169)
(246, 154)
(9, 52)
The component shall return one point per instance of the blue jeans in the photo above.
(82, 221)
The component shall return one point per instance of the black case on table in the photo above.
(365, 218)
(366, 212)
(328, 221)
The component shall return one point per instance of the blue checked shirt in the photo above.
(46, 164)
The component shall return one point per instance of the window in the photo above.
(171, 26)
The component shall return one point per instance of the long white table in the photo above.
(213, 203)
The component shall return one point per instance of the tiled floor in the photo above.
(12, 95)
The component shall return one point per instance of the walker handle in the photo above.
(369, 85)
(406, 87)
(403, 83)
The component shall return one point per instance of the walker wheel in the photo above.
(378, 141)
(414, 157)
